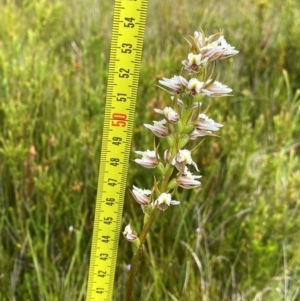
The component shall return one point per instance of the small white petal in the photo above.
(182, 158)
(165, 200)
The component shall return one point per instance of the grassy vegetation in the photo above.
(237, 238)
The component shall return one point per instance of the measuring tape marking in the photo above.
(125, 58)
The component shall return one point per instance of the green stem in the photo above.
(133, 269)
(136, 255)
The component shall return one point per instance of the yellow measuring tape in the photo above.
(124, 66)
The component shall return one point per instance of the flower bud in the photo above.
(129, 234)
(171, 140)
(179, 127)
(167, 155)
(172, 184)
(161, 169)
(188, 129)
(183, 141)
(171, 115)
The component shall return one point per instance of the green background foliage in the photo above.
(236, 238)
